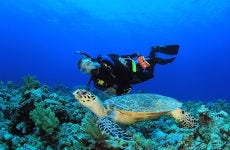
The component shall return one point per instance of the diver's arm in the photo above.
(124, 89)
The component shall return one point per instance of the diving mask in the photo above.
(86, 65)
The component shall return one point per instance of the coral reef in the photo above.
(44, 118)
(36, 116)
(219, 105)
(213, 131)
(29, 83)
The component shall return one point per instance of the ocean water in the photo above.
(39, 37)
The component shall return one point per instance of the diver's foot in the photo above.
(162, 61)
(168, 49)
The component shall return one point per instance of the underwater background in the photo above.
(38, 71)
(39, 38)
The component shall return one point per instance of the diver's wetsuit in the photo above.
(116, 75)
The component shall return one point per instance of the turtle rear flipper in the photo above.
(109, 127)
(185, 118)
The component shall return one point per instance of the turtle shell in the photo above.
(142, 103)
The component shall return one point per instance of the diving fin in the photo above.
(168, 49)
(162, 61)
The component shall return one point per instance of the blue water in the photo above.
(38, 37)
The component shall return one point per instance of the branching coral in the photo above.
(44, 118)
(30, 82)
(89, 126)
(212, 132)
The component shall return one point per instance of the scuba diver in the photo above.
(114, 73)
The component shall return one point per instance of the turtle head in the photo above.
(84, 97)
(90, 101)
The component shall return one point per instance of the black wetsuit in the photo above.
(113, 73)
(116, 75)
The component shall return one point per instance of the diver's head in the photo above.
(87, 65)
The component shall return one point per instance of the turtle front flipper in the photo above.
(109, 127)
(185, 118)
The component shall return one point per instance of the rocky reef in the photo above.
(36, 116)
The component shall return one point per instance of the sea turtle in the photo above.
(131, 108)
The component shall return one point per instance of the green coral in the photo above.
(44, 118)
(29, 82)
(89, 126)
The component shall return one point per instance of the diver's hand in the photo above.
(111, 91)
